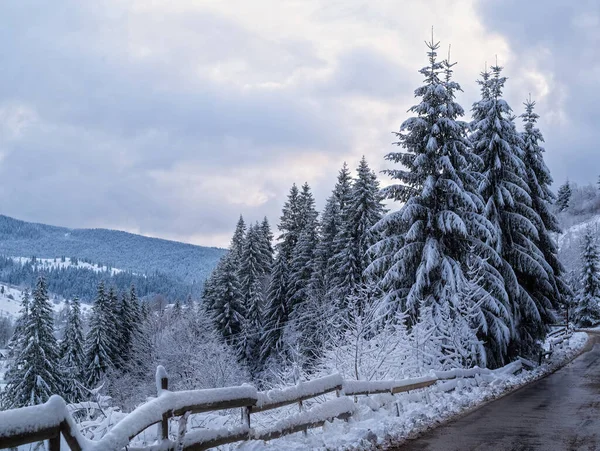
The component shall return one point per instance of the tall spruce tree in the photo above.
(563, 199)
(280, 285)
(237, 241)
(252, 272)
(15, 344)
(128, 325)
(72, 354)
(303, 253)
(440, 223)
(587, 302)
(508, 206)
(266, 242)
(228, 309)
(35, 375)
(363, 210)
(539, 181)
(100, 341)
(329, 230)
(277, 311)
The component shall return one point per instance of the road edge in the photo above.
(389, 446)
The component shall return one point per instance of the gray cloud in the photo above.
(561, 40)
(172, 119)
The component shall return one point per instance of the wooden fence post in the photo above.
(301, 409)
(164, 424)
(54, 443)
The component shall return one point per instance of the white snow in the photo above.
(10, 302)
(302, 390)
(375, 421)
(33, 418)
(366, 387)
(57, 263)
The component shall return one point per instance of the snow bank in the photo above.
(318, 414)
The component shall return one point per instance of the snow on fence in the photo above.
(554, 338)
(51, 420)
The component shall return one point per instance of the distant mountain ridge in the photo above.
(136, 253)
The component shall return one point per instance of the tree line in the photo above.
(470, 248)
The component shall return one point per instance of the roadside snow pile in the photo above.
(385, 419)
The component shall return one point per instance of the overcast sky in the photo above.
(170, 118)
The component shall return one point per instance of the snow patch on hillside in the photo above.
(60, 263)
(573, 234)
(10, 302)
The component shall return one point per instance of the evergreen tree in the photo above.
(237, 242)
(15, 344)
(328, 247)
(508, 206)
(266, 239)
(440, 222)
(564, 196)
(72, 354)
(35, 373)
(100, 341)
(539, 181)
(128, 324)
(252, 272)
(587, 303)
(303, 254)
(278, 309)
(228, 311)
(363, 210)
(114, 323)
(290, 224)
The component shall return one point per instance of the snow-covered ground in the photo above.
(10, 301)
(58, 263)
(383, 419)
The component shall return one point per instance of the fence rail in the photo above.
(51, 420)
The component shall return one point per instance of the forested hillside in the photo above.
(133, 253)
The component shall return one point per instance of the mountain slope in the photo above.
(127, 251)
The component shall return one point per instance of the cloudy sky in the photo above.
(170, 118)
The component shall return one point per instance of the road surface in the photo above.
(559, 412)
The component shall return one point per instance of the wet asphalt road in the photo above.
(559, 412)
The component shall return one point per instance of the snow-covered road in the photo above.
(559, 412)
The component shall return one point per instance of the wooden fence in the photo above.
(52, 420)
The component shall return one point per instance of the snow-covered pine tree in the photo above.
(542, 198)
(128, 325)
(35, 374)
(72, 354)
(587, 302)
(363, 210)
(277, 311)
(329, 228)
(278, 299)
(301, 270)
(440, 222)
(266, 242)
(303, 253)
(289, 224)
(113, 320)
(237, 241)
(563, 198)
(252, 271)
(100, 340)
(15, 344)
(228, 310)
(508, 207)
